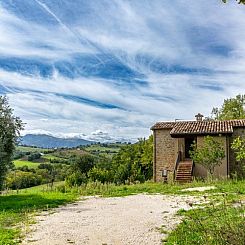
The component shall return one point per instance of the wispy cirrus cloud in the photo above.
(110, 69)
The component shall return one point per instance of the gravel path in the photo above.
(105, 221)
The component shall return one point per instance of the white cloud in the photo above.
(206, 49)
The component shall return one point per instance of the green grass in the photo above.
(213, 225)
(234, 189)
(217, 223)
(16, 210)
(21, 163)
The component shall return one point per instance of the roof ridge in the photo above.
(208, 126)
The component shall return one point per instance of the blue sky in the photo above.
(109, 69)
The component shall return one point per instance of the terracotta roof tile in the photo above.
(200, 127)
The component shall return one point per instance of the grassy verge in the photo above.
(16, 210)
(232, 188)
(215, 224)
(220, 222)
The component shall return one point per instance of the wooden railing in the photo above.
(178, 159)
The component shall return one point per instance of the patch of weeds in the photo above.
(217, 223)
(162, 229)
(181, 212)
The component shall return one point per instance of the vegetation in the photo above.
(22, 163)
(108, 149)
(232, 108)
(119, 163)
(10, 127)
(239, 1)
(238, 146)
(132, 163)
(215, 224)
(15, 210)
(209, 155)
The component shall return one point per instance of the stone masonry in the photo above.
(165, 153)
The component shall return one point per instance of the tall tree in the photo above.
(239, 1)
(209, 155)
(232, 108)
(10, 127)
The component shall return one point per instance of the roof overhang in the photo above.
(212, 127)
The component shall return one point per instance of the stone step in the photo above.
(184, 172)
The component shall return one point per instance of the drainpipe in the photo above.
(154, 156)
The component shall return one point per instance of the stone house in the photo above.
(172, 142)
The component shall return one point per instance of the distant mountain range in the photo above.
(47, 141)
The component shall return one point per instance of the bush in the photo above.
(34, 156)
(18, 180)
(101, 175)
(76, 179)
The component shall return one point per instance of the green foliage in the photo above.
(10, 127)
(232, 108)
(134, 162)
(18, 179)
(34, 156)
(82, 164)
(100, 174)
(238, 145)
(209, 155)
(239, 1)
(76, 179)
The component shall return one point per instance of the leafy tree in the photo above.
(76, 179)
(134, 162)
(101, 175)
(34, 156)
(232, 108)
(209, 155)
(238, 145)
(10, 127)
(239, 1)
(83, 163)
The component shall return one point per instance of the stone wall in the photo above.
(165, 153)
(234, 166)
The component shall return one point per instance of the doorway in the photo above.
(188, 146)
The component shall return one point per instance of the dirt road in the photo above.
(136, 219)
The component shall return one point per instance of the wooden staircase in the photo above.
(184, 171)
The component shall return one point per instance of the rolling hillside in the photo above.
(47, 141)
